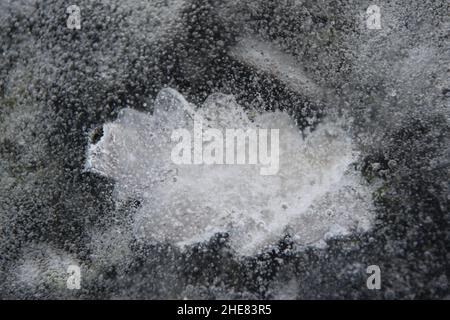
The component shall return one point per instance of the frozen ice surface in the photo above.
(42, 266)
(390, 88)
(315, 195)
(266, 57)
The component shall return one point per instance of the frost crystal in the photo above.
(312, 197)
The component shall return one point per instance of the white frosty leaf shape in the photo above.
(314, 196)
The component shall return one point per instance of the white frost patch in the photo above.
(42, 265)
(266, 57)
(315, 195)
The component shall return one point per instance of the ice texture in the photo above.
(57, 84)
(315, 195)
